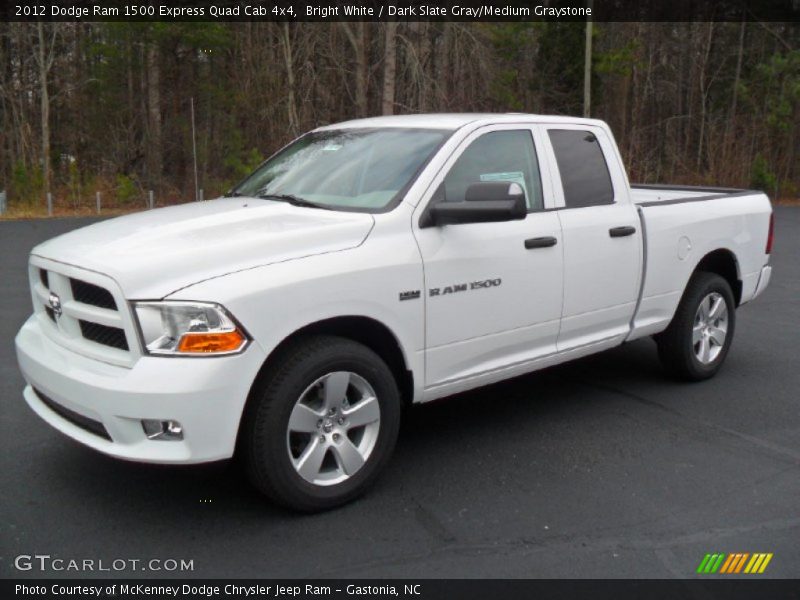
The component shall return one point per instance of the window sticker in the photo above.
(510, 176)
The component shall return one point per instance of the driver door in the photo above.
(493, 291)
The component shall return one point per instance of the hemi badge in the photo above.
(412, 295)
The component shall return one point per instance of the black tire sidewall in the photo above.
(336, 354)
(706, 283)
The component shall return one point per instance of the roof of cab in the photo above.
(452, 121)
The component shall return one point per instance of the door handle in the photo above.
(621, 231)
(540, 242)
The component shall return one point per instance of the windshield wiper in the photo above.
(293, 200)
(233, 195)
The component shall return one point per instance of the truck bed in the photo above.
(682, 224)
(649, 194)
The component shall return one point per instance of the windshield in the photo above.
(364, 169)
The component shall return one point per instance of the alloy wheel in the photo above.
(333, 428)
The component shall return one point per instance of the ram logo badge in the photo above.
(55, 304)
(464, 287)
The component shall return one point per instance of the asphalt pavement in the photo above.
(599, 468)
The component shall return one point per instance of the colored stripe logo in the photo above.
(737, 562)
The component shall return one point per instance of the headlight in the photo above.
(188, 328)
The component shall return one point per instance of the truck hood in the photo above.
(151, 254)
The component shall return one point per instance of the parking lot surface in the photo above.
(599, 468)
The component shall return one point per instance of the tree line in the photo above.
(113, 106)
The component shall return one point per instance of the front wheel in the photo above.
(695, 344)
(321, 424)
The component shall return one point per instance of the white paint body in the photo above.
(278, 268)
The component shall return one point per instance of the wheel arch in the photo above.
(365, 330)
(723, 262)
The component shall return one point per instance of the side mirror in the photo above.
(484, 202)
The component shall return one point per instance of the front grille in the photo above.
(88, 293)
(103, 334)
(85, 423)
(82, 311)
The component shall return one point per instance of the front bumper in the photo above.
(205, 395)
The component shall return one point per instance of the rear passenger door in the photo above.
(602, 236)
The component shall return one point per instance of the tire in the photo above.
(322, 384)
(690, 347)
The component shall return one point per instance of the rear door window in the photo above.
(584, 173)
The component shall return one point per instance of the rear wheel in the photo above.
(695, 344)
(321, 423)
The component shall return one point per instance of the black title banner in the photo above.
(399, 10)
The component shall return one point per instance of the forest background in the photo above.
(108, 107)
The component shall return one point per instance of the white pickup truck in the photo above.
(369, 265)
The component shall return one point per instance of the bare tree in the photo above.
(154, 142)
(389, 68)
(44, 62)
(587, 68)
(288, 57)
(357, 36)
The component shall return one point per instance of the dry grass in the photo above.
(16, 214)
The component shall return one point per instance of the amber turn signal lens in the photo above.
(209, 343)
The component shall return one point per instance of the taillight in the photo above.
(771, 233)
